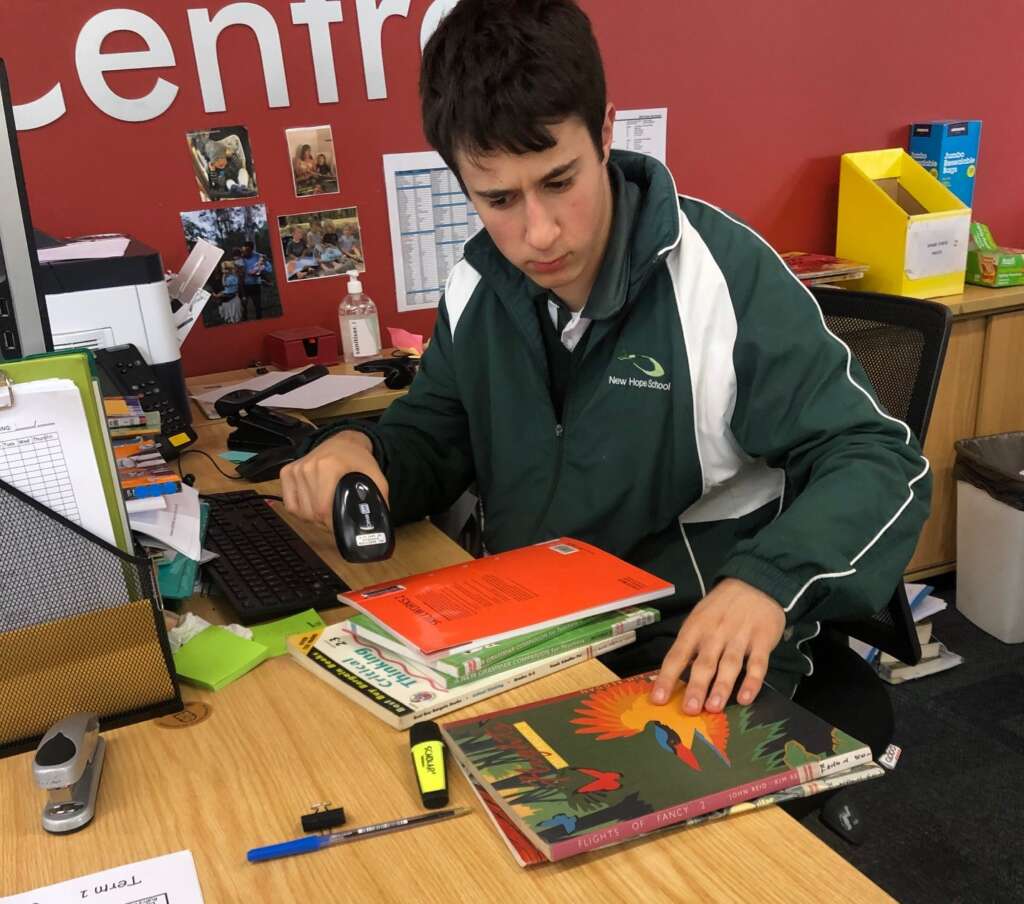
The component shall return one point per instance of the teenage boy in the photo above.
(615, 362)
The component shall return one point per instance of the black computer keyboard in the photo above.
(264, 568)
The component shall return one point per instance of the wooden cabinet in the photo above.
(1001, 402)
(981, 391)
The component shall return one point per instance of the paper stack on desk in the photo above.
(324, 391)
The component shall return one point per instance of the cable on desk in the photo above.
(213, 461)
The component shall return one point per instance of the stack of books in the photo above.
(582, 771)
(167, 518)
(822, 269)
(935, 656)
(444, 639)
(143, 473)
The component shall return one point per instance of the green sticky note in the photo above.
(216, 657)
(274, 634)
(236, 457)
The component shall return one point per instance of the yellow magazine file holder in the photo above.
(907, 226)
(81, 626)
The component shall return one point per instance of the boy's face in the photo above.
(549, 213)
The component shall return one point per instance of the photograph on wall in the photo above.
(321, 244)
(243, 286)
(314, 167)
(222, 163)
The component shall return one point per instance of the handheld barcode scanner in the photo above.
(67, 765)
(362, 522)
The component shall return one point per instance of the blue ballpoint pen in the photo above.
(311, 843)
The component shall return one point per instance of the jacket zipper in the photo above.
(560, 439)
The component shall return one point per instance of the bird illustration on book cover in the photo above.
(592, 760)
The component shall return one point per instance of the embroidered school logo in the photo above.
(654, 368)
(649, 367)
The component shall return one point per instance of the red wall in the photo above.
(762, 99)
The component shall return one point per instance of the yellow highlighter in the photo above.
(428, 759)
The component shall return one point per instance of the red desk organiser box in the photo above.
(301, 346)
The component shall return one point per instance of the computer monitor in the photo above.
(24, 326)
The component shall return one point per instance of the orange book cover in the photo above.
(462, 607)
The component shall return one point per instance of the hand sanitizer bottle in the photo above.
(358, 323)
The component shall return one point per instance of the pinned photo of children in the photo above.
(223, 164)
(320, 244)
(314, 169)
(243, 287)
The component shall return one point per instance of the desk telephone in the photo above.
(124, 372)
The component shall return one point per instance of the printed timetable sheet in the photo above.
(431, 218)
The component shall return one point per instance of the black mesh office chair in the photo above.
(900, 343)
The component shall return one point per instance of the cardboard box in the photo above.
(302, 346)
(988, 264)
(949, 151)
(907, 226)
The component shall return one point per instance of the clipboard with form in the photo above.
(54, 446)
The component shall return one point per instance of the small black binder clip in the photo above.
(322, 818)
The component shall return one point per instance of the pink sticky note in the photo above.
(405, 339)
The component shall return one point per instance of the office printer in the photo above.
(102, 302)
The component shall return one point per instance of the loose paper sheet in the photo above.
(936, 247)
(177, 526)
(170, 879)
(322, 391)
(98, 247)
(47, 453)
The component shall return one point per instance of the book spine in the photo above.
(470, 668)
(371, 633)
(543, 650)
(704, 805)
(541, 645)
(153, 489)
(833, 764)
(794, 792)
(515, 678)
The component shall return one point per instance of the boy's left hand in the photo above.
(734, 624)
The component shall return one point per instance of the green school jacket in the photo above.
(713, 427)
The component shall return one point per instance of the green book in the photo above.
(215, 657)
(459, 668)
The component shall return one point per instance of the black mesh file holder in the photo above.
(80, 628)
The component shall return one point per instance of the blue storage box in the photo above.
(948, 149)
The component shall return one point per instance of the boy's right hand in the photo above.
(308, 484)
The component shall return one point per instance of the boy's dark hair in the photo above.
(497, 73)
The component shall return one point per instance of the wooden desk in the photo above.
(980, 392)
(278, 740)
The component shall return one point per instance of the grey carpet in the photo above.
(948, 824)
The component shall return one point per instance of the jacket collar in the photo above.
(644, 229)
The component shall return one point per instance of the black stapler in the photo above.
(274, 436)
